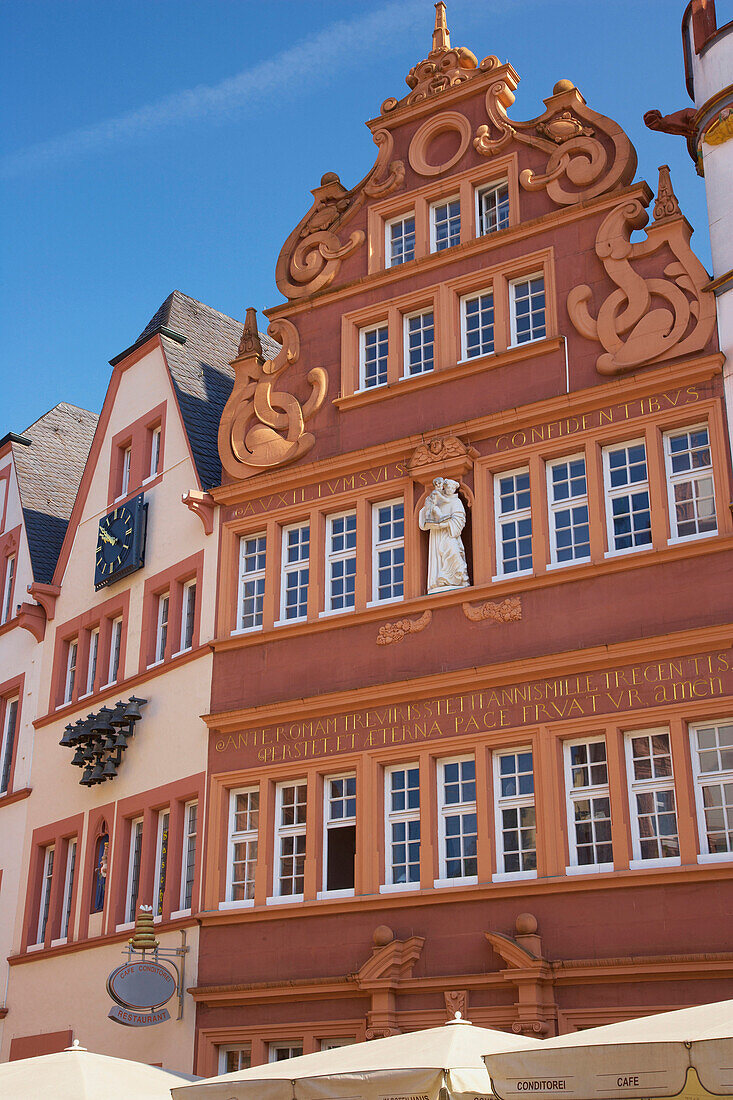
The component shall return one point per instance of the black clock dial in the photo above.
(120, 542)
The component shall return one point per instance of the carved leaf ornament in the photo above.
(646, 319)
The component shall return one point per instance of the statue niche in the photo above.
(443, 515)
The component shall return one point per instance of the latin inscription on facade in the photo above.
(530, 702)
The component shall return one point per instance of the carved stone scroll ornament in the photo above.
(395, 632)
(456, 1000)
(504, 611)
(311, 256)
(579, 166)
(261, 427)
(646, 319)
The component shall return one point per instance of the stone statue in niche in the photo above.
(444, 516)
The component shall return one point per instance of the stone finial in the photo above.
(665, 204)
(441, 34)
(143, 938)
(249, 343)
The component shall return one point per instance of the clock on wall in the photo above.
(121, 542)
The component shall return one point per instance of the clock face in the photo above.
(120, 542)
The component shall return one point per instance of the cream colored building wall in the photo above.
(170, 742)
(20, 654)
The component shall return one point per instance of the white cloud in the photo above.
(313, 61)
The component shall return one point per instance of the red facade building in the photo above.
(471, 729)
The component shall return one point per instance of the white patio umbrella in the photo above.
(646, 1057)
(414, 1066)
(77, 1074)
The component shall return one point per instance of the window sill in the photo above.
(35, 947)
(398, 887)
(444, 883)
(246, 904)
(643, 864)
(180, 914)
(631, 550)
(246, 630)
(128, 926)
(290, 622)
(566, 564)
(326, 895)
(386, 603)
(291, 899)
(60, 942)
(715, 857)
(501, 577)
(513, 876)
(336, 611)
(591, 869)
(180, 652)
(678, 540)
(156, 664)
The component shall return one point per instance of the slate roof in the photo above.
(49, 472)
(201, 372)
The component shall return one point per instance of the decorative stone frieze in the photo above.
(495, 611)
(389, 633)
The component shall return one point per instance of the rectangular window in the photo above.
(627, 496)
(290, 817)
(690, 483)
(280, 1052)
(373, 350)
(188, 615)
(457, 822)
(7, 600)
(516, 823)
(388, 557)
(244, 820)
(188, 867)
(133, 869)
(712, 765)
(445, 225)
(72, 649)
(341, 561)
(161, 862)
(155, 438)
(161, 626)
(125, 477)
(7, 744)
(251, 581)
(512, 504)
(568, 500)
(400, 240)
(528, 309)
(340, 833)
(92, 659)
(492, 208)
(68, 888)
(477, 325)
(419, 344)
(589, 805)
(232, 1059)
(333, 1044)
(402, 822)
(652, 797)
(115, 647)
(46, 879)
(295, 572)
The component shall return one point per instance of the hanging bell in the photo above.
(102, 724)
(132, 712)
(96, 776)
(118, 714)
(109, 771)
(68, 738)
(78, 758)
(87, 776)
(120, 741)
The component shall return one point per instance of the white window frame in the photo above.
(155, 441)
(8, 589)
(388, 261)
(337, 823)
(164, 822)
(337, 1041)
(388, 544)
(92, 657)
(514, 283)
(503, 517)
(394, 817)
(115, 651)
(136, 829)
(612, 493)
(241, 836)
(646, 786)
(574, 794)
(406, 318)
(701, 780)
(188, 854)
(45, 898)
(484, 189)
(560, 505)
(450, 809)
(332, 556)
(511, 802)
(8, 739)
(69, 876)
(72, 656)
(363, 333)
(126, 466)
(253, 576)
(293, 1046)
(163, 610)
(466, 298)
(439, 204)
(187, 588)
(687, 475)
(233, 1048)
(293, 567)
(283, 832)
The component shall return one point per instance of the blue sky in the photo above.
(172, 144)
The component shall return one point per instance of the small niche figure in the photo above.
(444, 516)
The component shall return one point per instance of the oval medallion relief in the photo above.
(430, 156)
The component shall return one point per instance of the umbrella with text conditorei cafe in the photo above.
(685, 1053)
(77, 1074)
(417, 1064)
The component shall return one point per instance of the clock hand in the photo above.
(105, 535)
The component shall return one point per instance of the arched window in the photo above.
(99, 881)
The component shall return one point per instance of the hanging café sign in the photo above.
(140, 989)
